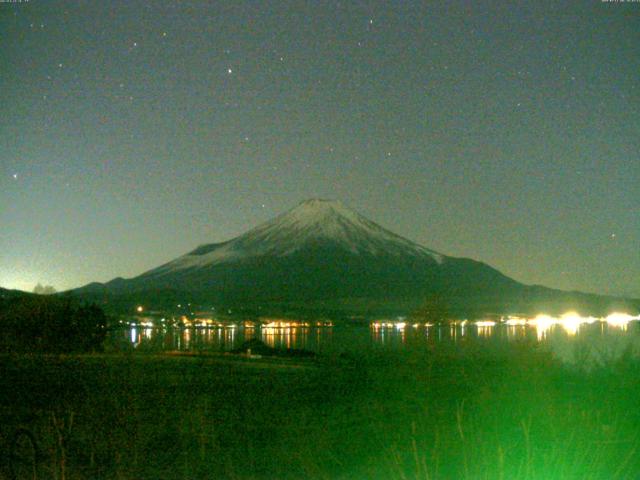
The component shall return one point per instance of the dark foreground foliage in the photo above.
(38, 323)
(464, 413)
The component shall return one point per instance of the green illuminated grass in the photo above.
(442, 413)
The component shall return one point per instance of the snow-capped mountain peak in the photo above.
(315, 218)
(317, 211)
(314, 222)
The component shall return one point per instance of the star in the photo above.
(164, 34)
(15, 176)
(229, 71)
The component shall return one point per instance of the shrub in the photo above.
(50, 324)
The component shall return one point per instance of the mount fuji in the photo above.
(323, 258)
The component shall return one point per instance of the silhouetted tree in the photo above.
(40, 290)
(50, 324)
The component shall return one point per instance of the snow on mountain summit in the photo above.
(316, 219)
(314, 222)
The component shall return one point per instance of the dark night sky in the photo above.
(131, 131)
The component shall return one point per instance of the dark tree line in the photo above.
(435, 308)
(50, 324)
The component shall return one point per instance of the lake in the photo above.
(573, 339)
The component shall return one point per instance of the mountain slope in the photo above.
(313, 224)
(323, 256)
(6, 294)
(320, 249)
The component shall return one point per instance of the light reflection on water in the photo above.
(601, 341)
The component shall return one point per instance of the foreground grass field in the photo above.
(439, 413)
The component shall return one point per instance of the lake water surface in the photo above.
(595, 341)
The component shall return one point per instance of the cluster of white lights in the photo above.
(285, 324)
(485, 323)
(569, 321)
(398, 325)
(620, 319)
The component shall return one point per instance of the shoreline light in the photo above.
(515, 321)
(571, 322)
(485, 323)
(619, 319)
(543, 324)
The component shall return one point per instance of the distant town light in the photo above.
(485, 323)
(618, 319)
(515, 321)
(571, 322)
(543, 324)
